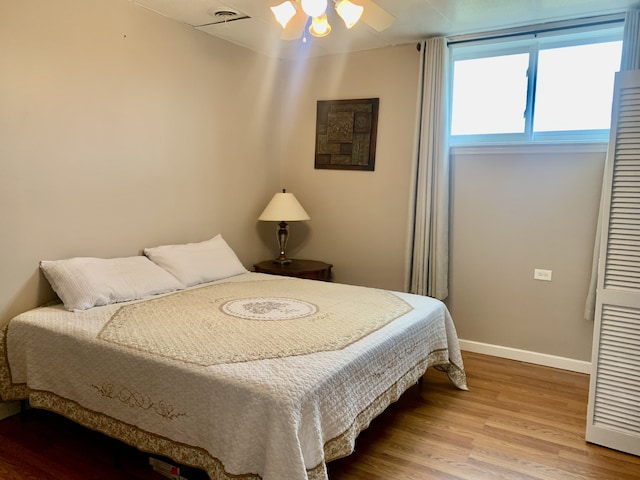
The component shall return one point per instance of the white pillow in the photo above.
(195, 263)
(85, 282)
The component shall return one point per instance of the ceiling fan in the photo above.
(294, 15)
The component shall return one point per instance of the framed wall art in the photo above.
(346, 133)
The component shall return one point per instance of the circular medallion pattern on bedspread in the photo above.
(218, 324)
(270, 308)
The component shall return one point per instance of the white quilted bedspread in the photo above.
(272, 418)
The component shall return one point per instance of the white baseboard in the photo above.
(8, 408)
(526, 356)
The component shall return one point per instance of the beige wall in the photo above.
(358, 219)
(121, 129)
(514, 210)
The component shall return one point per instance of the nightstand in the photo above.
(311, 269)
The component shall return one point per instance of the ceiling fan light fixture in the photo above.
(284, 12)
(320, 26)
(349, 12)
(314, 8)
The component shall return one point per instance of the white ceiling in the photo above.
(415, 20)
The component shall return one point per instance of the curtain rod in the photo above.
(537, 29)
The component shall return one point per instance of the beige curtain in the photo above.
(630, 61)
(429, 262)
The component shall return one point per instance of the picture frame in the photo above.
(346, 132)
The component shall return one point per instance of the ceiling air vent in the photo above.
(224, 16)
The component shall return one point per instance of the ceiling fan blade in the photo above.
(375, 16)
(295, 27)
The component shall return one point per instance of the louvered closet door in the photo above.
(613, 418)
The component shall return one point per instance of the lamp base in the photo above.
(283, 235)
(282, 260)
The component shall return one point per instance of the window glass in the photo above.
(575, 86)
(540, 87)
(490, 95)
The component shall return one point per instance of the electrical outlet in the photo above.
(539, 274)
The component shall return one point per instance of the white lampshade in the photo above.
(349, 12)
(284, 207)
(284, 12)
(314, 8)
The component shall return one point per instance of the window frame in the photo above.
(531, 43)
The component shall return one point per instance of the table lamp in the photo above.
(283, 208)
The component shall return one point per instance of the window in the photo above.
(541, 87)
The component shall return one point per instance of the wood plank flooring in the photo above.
(518, 421)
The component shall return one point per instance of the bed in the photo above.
(242, 374)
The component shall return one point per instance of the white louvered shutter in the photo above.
(613, 417)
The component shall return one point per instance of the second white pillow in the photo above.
(195, 263)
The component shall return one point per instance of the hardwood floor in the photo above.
(518, 421)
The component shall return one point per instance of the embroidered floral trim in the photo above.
(138, 400)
